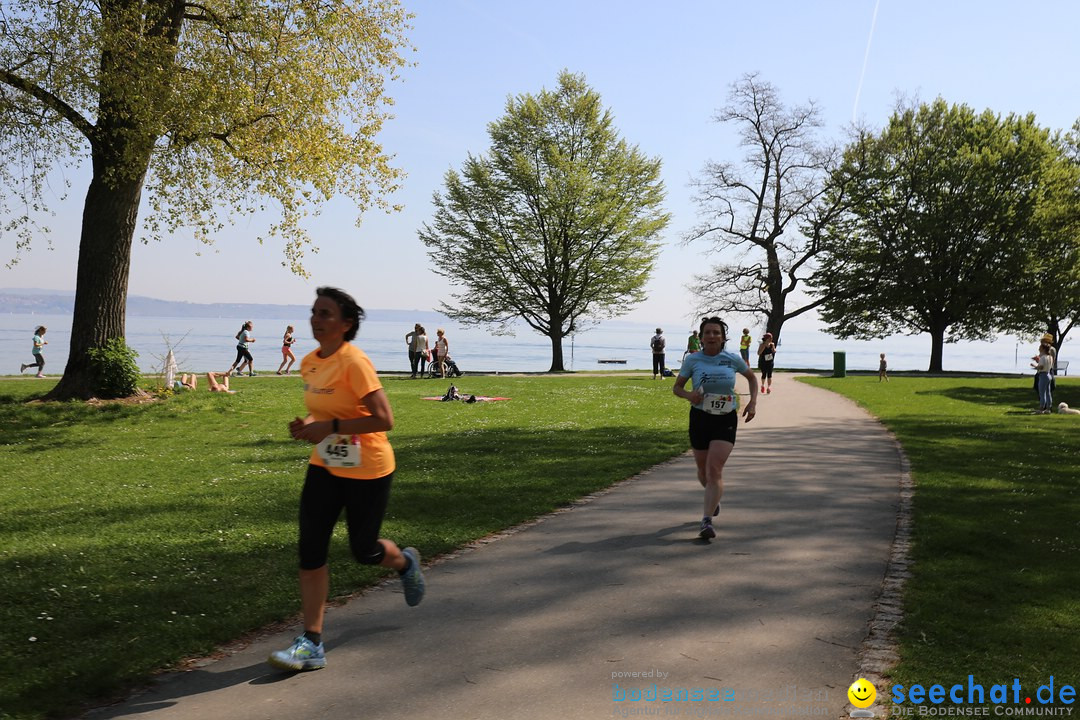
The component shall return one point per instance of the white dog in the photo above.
(1063, 408)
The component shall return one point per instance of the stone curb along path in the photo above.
(878, 652)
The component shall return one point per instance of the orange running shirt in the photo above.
(334, 387)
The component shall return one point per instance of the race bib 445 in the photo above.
(340, 451)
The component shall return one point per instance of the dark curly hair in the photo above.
(350, 309)
(714, 320)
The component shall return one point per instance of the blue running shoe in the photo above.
(707, 532)
(413, 579)
(301, 655)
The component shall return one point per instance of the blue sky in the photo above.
(662, 69)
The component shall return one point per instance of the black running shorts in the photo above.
(705, 427)
(321, 502)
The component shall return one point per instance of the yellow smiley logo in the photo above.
(861, 693)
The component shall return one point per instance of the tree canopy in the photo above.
(556, 225)
(941, 206)
(220, 108)
(1048, 295)
(769, 209)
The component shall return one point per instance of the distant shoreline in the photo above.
(44, 302)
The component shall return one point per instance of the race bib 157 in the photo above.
(716, 404)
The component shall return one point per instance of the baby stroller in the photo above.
(452, 370)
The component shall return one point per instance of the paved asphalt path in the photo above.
(553, 621)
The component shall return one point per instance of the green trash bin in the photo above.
(839, 364)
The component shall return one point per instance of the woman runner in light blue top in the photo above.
(714, 414)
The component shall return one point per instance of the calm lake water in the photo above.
(202, 344)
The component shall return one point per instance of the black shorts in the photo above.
(766, 370)
(706, 427)
(321, 501)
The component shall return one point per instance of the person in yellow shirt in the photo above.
(351, 468)
(744, 345)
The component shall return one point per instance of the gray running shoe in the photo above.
(301, 655)
(413, 579)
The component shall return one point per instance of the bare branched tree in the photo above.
(766, 211)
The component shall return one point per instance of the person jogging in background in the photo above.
(351, 468)
(39, 356)
(243, 354)
(766, 359)
(714, 416)
(287, 341)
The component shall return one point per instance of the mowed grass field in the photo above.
(995, 591)
(135, 535)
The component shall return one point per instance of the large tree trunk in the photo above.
(775, 320)
(108, 228)
(937, 348)
(556, 353)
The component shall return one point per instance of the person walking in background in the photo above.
(766, 357)
(424, 349)
(714, 416)
(419, 353)
(351, 468)
(39, 356)
(442, 351)
(243, 355)
(1044, 365)
(414, 352)
(657, 343)
(744, 345)
(883, 370)
(286, 351)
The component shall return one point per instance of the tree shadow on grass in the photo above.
(1018, 399)
(1015, 396)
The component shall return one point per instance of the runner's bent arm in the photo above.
(380, 420)
(751, 407)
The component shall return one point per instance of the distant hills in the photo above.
(32, 301)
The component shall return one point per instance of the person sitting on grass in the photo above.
(221, 387)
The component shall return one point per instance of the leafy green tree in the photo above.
(769, 210)
(556, 225)
(940, 206)
(1048, 299)
(216, 108)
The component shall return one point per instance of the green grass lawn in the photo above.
(132, 536)
(135, 535)
(996, 586)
